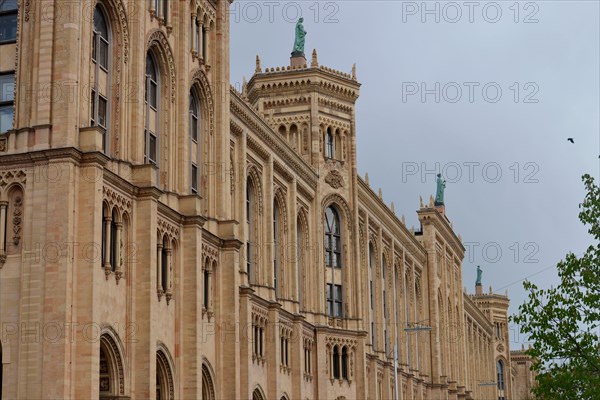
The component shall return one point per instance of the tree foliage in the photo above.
(563, 322)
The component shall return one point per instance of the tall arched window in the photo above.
(336, 362)
(152, 111)
(101, 46)
(371, 300)
(301, 257)
(333, 263)
(250, 227)
(333, 247)
(195, 146)
(277, 260)
(329, 144)
(500, 376)
(384, 301)
(344, 363)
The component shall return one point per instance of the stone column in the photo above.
(193, 35)
(169, 290)
(3, 208)
(118, 255)
(206, 44)
(159, 289)
(107, 245)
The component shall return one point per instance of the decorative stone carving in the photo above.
(165, 227)
(8, 177)
(3, 144)
(114, 198)
(17, 213)
(334, 179)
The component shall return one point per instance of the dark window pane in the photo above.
(94, 39)
(102, 112)
(6, 118)
(100, 25)
(8, 27)
(153, 93)
(103, 54)
(194, 179)
(152, 148)
(8, 5)
(7, 87)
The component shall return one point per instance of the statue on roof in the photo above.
(299, 40)
(479, 273)
(439, 195)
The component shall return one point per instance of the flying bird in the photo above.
(570, 140)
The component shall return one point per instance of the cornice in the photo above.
(275, 144)
(477, 315)
(388, 219)
(443, 227)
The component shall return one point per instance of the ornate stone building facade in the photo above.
(164, 236)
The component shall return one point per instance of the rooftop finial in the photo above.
(314, 62)
(403, 219)
(421, 201)
(258, 69)
(392, 207)
(244, 87)
(354, 71)
(380, 194)
(367, 178)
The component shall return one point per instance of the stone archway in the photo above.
(208, 388)
(111, 381)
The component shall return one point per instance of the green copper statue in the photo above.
(479, 273)
(299, 41)
(439, 195)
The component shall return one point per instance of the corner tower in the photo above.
(312, 108)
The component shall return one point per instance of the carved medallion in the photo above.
(334, 179)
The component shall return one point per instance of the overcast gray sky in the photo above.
(513, 81)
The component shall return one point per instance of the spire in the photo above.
(314, 63)
(421, 201)
(258, 69)
(244, 87)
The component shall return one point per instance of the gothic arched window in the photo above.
(275, 245)
(336, 362)
(195, 133)
(101, 45)
(152, 111)
(500, 375)
(251, 227)
(329, 144)
(333, 238)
